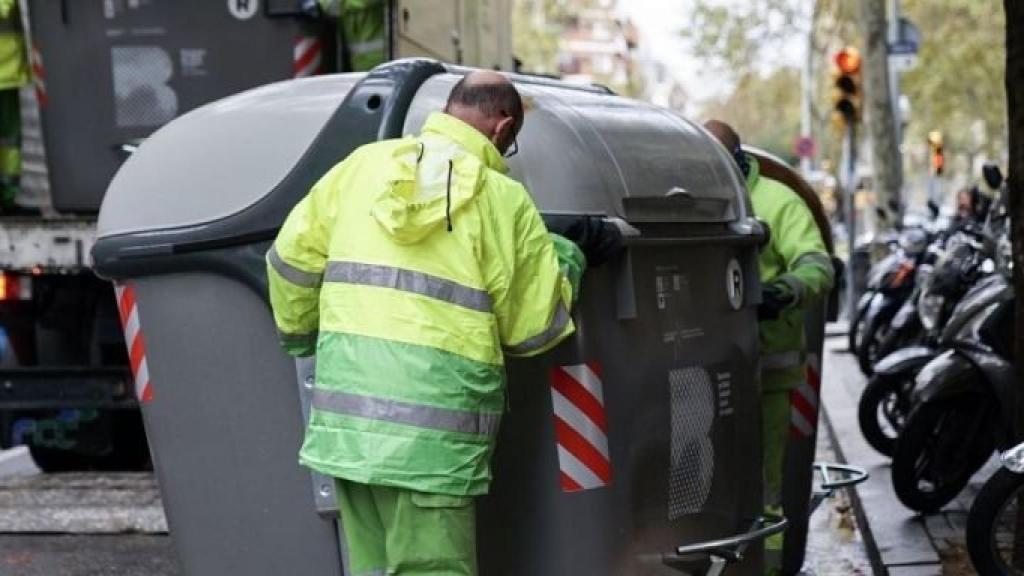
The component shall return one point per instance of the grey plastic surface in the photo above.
(221, 158)
(116, 71)
(225, 428)
(585, 151)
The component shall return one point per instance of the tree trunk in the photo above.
(878, 105)
(1015, 183)
(1015, 177)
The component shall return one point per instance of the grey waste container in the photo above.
(145, 63)
(639, 435)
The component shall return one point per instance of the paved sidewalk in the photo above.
(900, 542)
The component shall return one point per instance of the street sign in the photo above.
(909, 40)
(902, 62)
(803, 147)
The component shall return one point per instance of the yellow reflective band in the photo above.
(814, 258)
(558, 324)
(290, 273)
(410, 281)
(782, 360)
(408, 413)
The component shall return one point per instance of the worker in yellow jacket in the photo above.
(13, 75)
(411, 269)
(795, 270)
(362, 32)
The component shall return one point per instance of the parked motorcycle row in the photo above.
(934, 334)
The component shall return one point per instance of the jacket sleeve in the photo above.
(534, 313)
(809, 272)
(295, 267)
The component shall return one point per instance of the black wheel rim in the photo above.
(1006, 539)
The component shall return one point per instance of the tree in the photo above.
(536, 29)
(878, 105)
(1015, 108)
(954, 88)
(745, 109)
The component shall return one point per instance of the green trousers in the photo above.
(10, 146)
(397, 531)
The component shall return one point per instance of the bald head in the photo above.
(724, 134)
(487, 101)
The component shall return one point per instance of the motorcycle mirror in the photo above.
(992, 174)
(894, 206)
(880, 214)
(933, 209)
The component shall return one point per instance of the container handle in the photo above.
(724, 551)
(834, 477)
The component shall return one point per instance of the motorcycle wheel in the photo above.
(870, 344)
(941, 446)
(854, 335)
(883, 409)
(995, 525)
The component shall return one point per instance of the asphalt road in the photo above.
(86, 555)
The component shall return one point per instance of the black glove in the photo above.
(774, 299)
(598, 239)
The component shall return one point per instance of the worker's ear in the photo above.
(504, 133)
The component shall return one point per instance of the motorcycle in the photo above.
(995, 541)
(963, 408)
(887, 399)
(890, 284)
(934, 314)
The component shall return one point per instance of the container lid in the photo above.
(221, 158)
(584, 150)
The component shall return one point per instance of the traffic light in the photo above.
(938, 158)
(846, 78)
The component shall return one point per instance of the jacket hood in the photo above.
(432, 177)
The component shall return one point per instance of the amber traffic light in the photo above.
(938, 156)
(846, 81)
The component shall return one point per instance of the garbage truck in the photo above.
(106, 75)
(633, 448)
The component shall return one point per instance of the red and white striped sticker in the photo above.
(581, 427)
(39, 75)
(803, 401)
(307, 57)
(129, 310)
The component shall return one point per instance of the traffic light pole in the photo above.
(850, 189)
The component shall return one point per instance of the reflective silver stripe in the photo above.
(399, 412)
(408, 281)
(782, 360)
(795, 285)
(818, 258)
(558, 324)
(307, 339)
(290, 273)
(359, 48)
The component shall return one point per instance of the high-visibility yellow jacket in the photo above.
(362, 28)
(796, 258)
(13, 63)
(414, 266)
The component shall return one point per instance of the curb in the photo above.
(896, 539)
